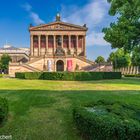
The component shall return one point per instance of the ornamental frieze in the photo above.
(57, 27)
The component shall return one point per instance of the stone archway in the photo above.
(60, 65)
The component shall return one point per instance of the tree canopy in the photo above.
(136, 56)
(125, 32)
(4, 62)
(119, 59)
(100, 59)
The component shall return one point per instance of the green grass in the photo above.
(42, 110)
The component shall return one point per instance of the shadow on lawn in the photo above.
(45, 98)
(123, 81)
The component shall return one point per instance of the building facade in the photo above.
(16, 54)
(57, 46)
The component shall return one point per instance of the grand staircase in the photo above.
(85, 60)
(35, 60)
(31, 68)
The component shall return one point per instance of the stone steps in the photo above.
(31, 68)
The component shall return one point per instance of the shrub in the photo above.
(53, 75)
(107, 120)
(112, 75)
(132, 75)
(138, 75)
(3, 110)
(33, 75)
(71, 76)
(20, 75)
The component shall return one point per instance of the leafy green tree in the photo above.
(136, 56)
(100, 59)
(120, 59)
(111, 57)
(125, 32)
(4, 62)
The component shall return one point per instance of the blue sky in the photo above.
(16, 15)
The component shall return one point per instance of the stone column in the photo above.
(84, 45)
(62, 37)
(46, 44)
(31, 46)
(69, 41)
(77, 44)
(54, 40)
(39, 45)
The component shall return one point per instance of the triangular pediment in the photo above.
(58, 26)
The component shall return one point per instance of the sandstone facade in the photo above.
(57, 46)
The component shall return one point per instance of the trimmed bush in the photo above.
(3, 110)
(71, 76)
(20, 75)
(132, 75)
(33, 75)
(112, 75)
(107, 120)
(53, 76)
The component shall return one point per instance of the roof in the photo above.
(10, 48)
(58, 25)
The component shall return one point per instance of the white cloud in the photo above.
(27, 7)
(92, 14)
(95, 38)
(34, 16)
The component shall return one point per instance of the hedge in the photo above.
(113, 123)
(132, 75)
(3, 110)
(71, 76)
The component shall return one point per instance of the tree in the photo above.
(120, 59)
(125, 32)
(100, 59)
(4, 62)
(136, 56)
(111, 57)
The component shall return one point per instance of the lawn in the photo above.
(42, 110)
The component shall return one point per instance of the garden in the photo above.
(73, 110)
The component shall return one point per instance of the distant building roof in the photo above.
(12, 49)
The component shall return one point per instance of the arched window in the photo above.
(60, 65)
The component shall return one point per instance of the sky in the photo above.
(17, 15)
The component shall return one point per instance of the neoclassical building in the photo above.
(56, 46)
